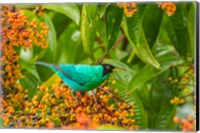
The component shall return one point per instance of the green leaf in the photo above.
(109, 127)
(26, 5)
(52, 40)
(30, 15)
(148, 72)
(135, 35)
(151, 22)
(60, 22)
(70, 10)
(177, 29)
(113, 21)
(165, 116)
(87, 33)
(67, 50)
(143, 93)
(140, 114)
(161, 94)
(131, 56)
(191, 28)
(93, 16)
(50, 80)
(31, 78)
(102, 9)
(1, 123)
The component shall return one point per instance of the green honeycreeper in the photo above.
(81, 77)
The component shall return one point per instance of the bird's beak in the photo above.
(116, 69)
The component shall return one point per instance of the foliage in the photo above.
(152, 42)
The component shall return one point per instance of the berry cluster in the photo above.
(186, 124)
(168, 7)
(177, 100)
(18, 31)
(56, 107)
(129, 8)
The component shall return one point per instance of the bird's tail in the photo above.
(42, 63)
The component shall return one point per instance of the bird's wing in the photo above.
(74, 73)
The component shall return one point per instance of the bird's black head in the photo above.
(107, 68)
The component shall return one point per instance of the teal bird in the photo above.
(81, 77)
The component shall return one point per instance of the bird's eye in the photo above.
(108, 68)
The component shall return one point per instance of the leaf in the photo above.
(109, 127)
(148, 72)
(102, 9)
(143, 93)
(52, 40)
(140, 44)
(1, 123)
(177, 30)
(60, 22)
(151, 22)
(93, 16)
(31, 78)
(68, 49)
(30, 15)
(140, 115)
(26, 5)
(87, 33)
(165, 116)
(131, 56)
(49, 54)
(70, 10)
(161, 94)
(51, 79)
(191, 28)
(113, 21)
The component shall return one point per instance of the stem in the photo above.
(111, 49)
(114, 97)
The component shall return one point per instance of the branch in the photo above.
(111, 49)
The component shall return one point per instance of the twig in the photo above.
(114, 97)
(111, 49)
(109, 112)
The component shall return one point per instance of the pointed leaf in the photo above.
(70, 10)
(140, 114)
(113, 21)
(135, 35)
(191, 28)
(93, 16)
(68, 50)
(87, 32)
(52, 40)
(161, 94)
(151, 22)
(102, 9)
(148, 72)
(177, 30)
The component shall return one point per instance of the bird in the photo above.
(81, 77)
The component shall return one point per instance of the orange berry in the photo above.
(50, 125)
(176, 119)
